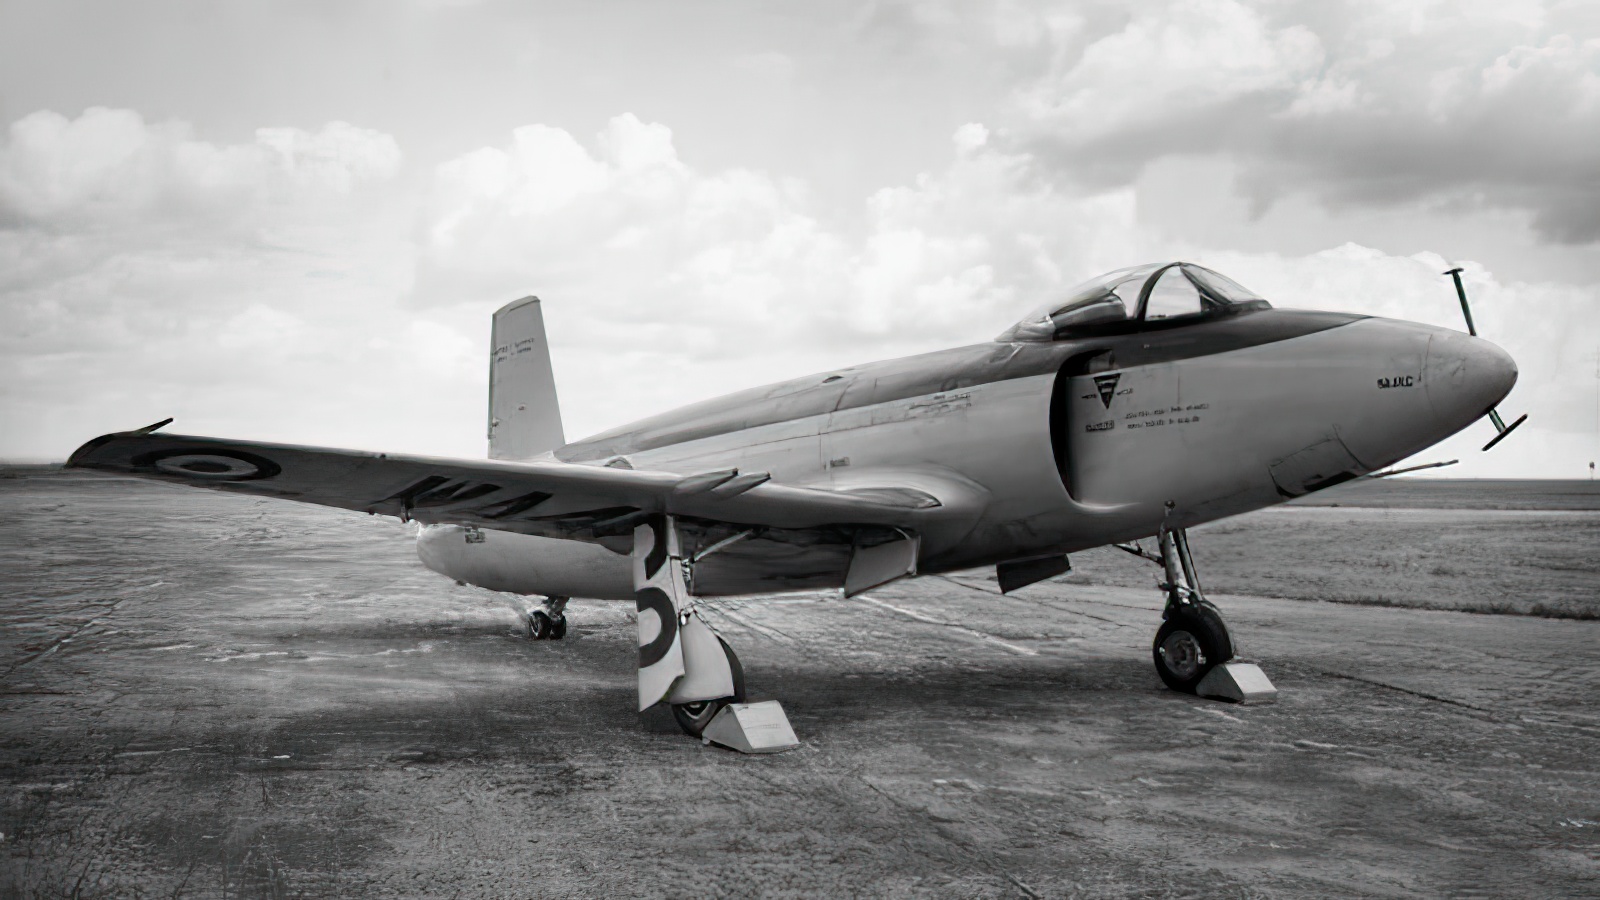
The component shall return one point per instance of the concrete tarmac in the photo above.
(212, 696)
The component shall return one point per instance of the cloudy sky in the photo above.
(290, 221)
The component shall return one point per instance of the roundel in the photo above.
(209, 465)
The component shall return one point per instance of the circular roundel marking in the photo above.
(209, 465)
(657, 600)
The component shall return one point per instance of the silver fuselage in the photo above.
(1053, 447)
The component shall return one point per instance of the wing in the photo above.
(549, 498)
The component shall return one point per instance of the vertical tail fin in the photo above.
(524, 417)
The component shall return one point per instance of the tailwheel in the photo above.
(1191, 643)
(539, 625)
(694, 717)
(548, 621)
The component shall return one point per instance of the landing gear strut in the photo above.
(1192, 639)
(549, 620)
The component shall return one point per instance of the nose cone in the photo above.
(1466, 377)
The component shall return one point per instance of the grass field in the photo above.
(1509, 547)
(1460, 493)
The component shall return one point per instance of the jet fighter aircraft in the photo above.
(1137, 405)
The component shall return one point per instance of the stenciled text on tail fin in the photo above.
(524, 415)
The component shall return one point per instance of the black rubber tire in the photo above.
(539, 625)
(1191, 643)
(558, 628)
(694, 717)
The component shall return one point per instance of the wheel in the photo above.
(558, 628)
(1189, 644)
(694, 717)
(539, 625)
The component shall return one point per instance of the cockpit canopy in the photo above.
(1135, 298)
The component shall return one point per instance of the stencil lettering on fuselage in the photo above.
(1162, 416)
(1130, 427)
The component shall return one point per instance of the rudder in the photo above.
(524, 415)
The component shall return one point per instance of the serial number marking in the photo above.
(1397, 381)
(1147, 413)
(1180, 414)
(1157, 423)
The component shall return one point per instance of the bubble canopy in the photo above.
(1135, 298)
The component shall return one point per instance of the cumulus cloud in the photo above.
(303, 286)
(146, 273)
(1470, 104)
(1509, 130)
(1169, 69)
(109, 166)
(643, 258)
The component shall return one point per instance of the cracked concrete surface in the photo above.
(209, 696)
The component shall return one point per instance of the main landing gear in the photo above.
(549, 620)
(1192, 639)
(683, 663)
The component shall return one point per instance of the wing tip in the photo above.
(79, 457)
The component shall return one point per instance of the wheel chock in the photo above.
(1238, 682)
(752, 728)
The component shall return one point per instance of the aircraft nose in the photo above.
(1466, 376)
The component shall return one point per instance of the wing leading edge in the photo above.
(549, 498)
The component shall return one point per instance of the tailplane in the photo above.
(524, 416)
